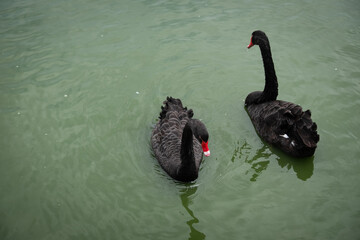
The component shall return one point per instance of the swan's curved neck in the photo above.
(187, 149)
(271, 85)
(187, 170)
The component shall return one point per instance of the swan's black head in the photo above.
(201, 134)
(258, 37)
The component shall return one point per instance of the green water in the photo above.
(81, 85)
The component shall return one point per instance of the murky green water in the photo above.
(81, 85)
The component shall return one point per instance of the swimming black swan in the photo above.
(178, 141)
(282, 124)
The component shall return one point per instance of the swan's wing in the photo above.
(166, 139)
(284, 123)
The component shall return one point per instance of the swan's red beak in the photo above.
(205, 148)
(250, 44)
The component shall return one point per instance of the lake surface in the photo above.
(81, 85)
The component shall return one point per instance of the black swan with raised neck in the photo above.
(282, 124)
(179, 141)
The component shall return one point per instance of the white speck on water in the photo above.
(137, 92)
(335, 69)
(65, 96)
(19, 113)
(17, 66)
(45, 134)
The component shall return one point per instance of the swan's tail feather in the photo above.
(308, 139)
(299, 126)
(173, 104)
(306, 130)
(190, 113)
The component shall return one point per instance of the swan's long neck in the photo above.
(271, 85)
(187, 153)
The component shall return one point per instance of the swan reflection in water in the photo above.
(185, 197)
(259, 162)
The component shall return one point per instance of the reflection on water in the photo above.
(304, 167)
(185, 197)
(258, 166)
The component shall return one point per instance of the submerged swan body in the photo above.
(280, 123)
(179, 141)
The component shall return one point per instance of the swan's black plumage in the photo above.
(177, 141)
(282, 124)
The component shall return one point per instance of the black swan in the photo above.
(179, 141)
(282, 124)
